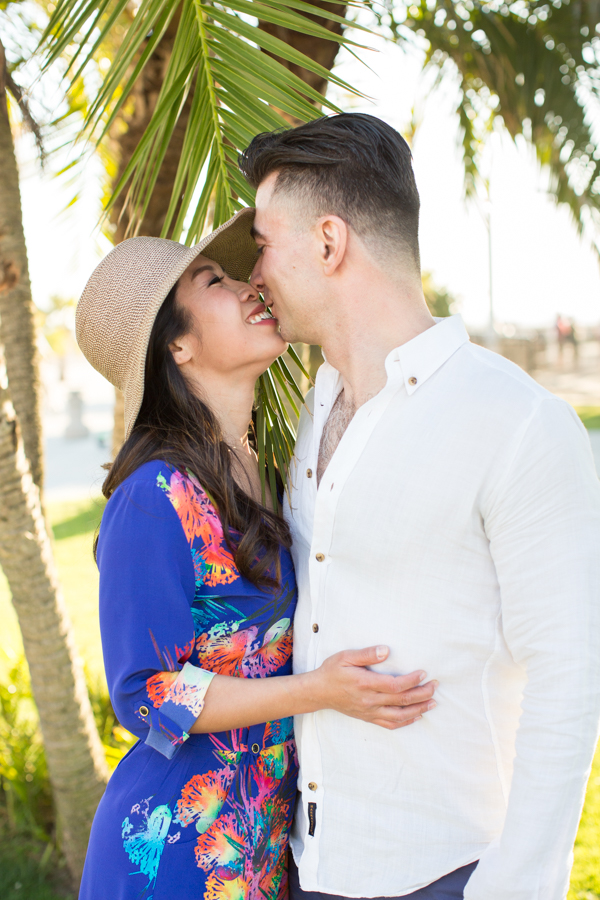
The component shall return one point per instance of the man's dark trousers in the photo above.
(450, 887)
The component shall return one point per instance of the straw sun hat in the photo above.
(121, 300)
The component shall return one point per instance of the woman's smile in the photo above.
(260, 315)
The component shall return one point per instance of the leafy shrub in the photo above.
(26, 797)
(26, 807)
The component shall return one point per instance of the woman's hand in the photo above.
(342, 682)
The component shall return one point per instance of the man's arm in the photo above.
(543, 523)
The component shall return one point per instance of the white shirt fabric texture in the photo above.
(458, 522)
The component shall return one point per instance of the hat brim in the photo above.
(234, 249)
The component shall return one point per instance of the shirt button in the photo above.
(412, 380)
(320, 557)
(143, 711)
(309, 473)
(315, 628)
(255, 748)
(312, 786)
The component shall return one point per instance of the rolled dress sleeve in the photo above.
(147, 587)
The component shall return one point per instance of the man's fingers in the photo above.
(393, 726)
(396, 684)
(406, 682)
(402, 689)
(397, 716)
(368, 656)
(417, 695)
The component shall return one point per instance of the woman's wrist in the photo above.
(309, 692)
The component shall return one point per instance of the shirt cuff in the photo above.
(183, 703)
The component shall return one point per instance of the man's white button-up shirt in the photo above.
(458, 522)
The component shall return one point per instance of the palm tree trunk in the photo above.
(318, 49)
(130, 128)
(74, 753)
(17, 321)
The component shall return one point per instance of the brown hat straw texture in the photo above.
(121, 300)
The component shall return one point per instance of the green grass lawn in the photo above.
(73, 524)
(23, 863)
(589, 415)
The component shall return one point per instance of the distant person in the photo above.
(574, 341)
(563, 334)
(197, 587)
(440, 496)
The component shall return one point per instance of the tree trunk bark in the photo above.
(127, 135)
(131, 126)
(74, 753)
(320, 50)
(17, 320)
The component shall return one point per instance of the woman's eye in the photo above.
(215, 280)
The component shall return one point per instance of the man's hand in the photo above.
(344, 683)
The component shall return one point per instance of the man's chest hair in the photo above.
(339, 418)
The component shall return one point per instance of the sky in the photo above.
(540, 266)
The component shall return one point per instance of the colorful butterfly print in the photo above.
(184, 653)
(187, 688)
(273, 762)
(145, 847)
(222, 889)
(207, 609)
(158, 686)
(221, 567)
(202, 798)
(200, 570)
(199, 519)
(225, 653)
(274, 884)
(232, 752)
(279, 731)
(222, 849)
(274, 653)
(192, 506)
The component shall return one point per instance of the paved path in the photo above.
(74, 466)
(577, 381)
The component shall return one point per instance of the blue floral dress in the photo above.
(202, 815)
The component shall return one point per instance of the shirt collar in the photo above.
(422, 356)
(418, 359)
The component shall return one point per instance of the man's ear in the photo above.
(332, 235)
(181, 350)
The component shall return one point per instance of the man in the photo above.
(444, 504)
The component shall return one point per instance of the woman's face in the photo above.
(232, 332)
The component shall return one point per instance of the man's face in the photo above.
(287, 271)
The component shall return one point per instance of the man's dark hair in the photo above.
(352, 165)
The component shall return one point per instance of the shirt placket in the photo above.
(327, 497)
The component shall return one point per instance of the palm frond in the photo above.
(540, 66)
(223, 80)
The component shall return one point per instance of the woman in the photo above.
(197, 588)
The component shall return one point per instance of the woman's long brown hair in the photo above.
(176, 426)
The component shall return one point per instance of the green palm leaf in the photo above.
(541, 63)
(224, 76)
